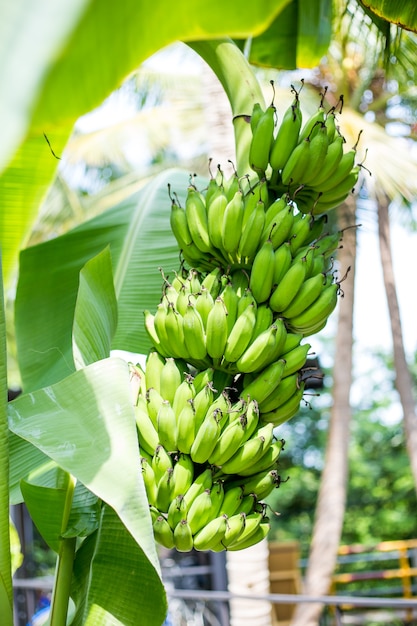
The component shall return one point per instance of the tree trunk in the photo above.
(330, 507)
(403, 380)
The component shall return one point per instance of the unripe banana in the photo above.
(297, 164)
(307, 294)
(179, 226)
(194, 334)
(182, 475)
(246, 300)
(153, 404)
(331, 162)
(167, 427)
(232, 225)
(202, 402)
(289, 286)
(154, 365)
(153, 335)
(229, 441)
(295, 359)
(148, 435)
(262, 273)
(327, 244)
(200, 511)
(264, 383)
(286, 388)
(317, 312)
(235, 527)
(204, 304)
(232, 501)
(209, 536)
(260, 484)
(205, 439)
(264, 319)
(259, 535)
(268, 461)
(170, 380)
(318, 150)
(164, 491)
(184, 394)
(196, 214)
(343, 169)
(186, 428)
(287, 136)
(149, 480)
(259, 353)
(246, 455)
(259, 193)
(336, 195)
(177, 510)
(212, 281)
(278, 222)
(230, 298)
(183, 537)
(175, 333)
(300, 232)
(285, 411)
(252, 523)
(163, 532)
(282, 262)
(217, 331)
(252, 233)
(312, 123)
(215, 213)
(261, 141)
(257, 113)
(161, 462)
(241, 334)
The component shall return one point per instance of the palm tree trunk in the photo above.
(403, 381)
(330, 507)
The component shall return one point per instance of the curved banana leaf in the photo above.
(56, 63)
(86, 424)
(140, 240)
(111, 586)
(297, 38)
(400, 12)
(95, 316)
(6, 592)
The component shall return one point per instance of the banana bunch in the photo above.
(228, 353)
(206, 460)
(308, 161)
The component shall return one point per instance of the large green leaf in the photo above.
(400, 12)
(111, 584)
(298, 37)
(95, 316)
(86, 424)
(6, 593)
(56, 63)
(140, 239)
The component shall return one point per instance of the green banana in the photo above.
(179, 226)
(246, 300)
(186, 428)
(282, 261)
(153, 404)
(154, 364)
(200, 511)
(306, 295)
(262, 273)
(246, 455)
(205, 439)
(261, 141)
(289, 286)
(182, 475)
(163, 532)
(297, 164)
(212, 282)
(295, 359)
(241, 334)
(279, 220)
(287, 410)
(183, 537)
(317, 312)
(232, 225)
(230, 298)
(153, 335)
(344, 167)
(184, 395)
(177, 510)
(167, 426)
(252, 522)
(201, 482)
(284, 390)
(260, 352)
(202, 402)
(264, 383)
(161, 462)
(312, 123)
(260, 484)
(235, 527)
(175, 333)
(264, 319)
(259, 534)
(209, 536)
(319, 144)
(267, 461)
(164, 491)
(228, 442)
(300, 232)
(149, 480)
(217, 331)
(194, 334)
(215, 213)
(257, 113)
(196, 214)
(170, 379)
(204, 304)
(287, 136)
(331, 161)
(148, 435)
(250, 239)
(232, 501)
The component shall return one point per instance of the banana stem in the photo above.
(63, 574)
(241, 87)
